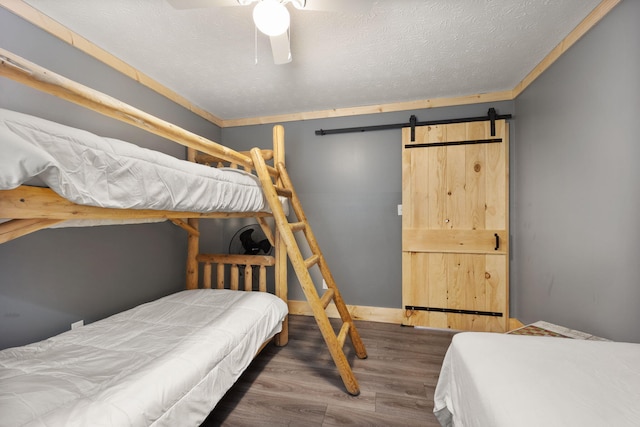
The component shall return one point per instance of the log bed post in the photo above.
(192, 254)
(193, 240)
(280, 249)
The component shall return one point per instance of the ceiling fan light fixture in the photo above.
(271, 17)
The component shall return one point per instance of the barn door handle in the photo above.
(497, 241)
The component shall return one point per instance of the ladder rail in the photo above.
(300, 265)
(322, 264)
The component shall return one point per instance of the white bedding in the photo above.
(105, 172)
(164, 363)
(510, 380)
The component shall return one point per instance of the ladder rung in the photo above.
(343, 333)
(327, 297)
(284, 192)
(297, 226)
(311, 261)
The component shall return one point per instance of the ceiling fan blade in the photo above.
(281, 48)
(344, 6)
(195, 4)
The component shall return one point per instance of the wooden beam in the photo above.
(206, 159)
(15, 228)
(280, 250)
(185, 226)
(19, 69)
(265, 260)
(266, 229)
(193, 247)
(373, 109)
(36, 202)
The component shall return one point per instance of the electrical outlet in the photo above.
(399, 210)
(324, 285)
(77, 324)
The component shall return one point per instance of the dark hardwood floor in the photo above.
(298, 385)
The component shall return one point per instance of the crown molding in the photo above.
(32, 15)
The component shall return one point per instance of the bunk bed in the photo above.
(169, 361)
(41, 190)
(516, 380)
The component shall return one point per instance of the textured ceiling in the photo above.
(378, 52)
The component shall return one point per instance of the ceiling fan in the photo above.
(271, 17)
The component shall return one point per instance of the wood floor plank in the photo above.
(403, 406)
(299, 385)
(338, 416)
(255, 409)
(277, 380)
(410, 387)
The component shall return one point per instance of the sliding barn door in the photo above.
(455, 252)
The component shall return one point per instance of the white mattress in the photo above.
(105, 172)
(164, 363)
(510, 380)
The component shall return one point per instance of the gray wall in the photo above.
(350, 186)
(575, 198)
(577, 185)
(55, 277)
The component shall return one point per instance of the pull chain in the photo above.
(255, 44)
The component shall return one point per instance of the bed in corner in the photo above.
(166, 362)
(503, 380)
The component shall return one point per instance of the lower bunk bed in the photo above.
(503, 380)
(164, 363)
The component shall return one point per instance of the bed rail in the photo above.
(27, 202)
(19, 69)
(12, 229)
(209, 160)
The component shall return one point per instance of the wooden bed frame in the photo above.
(35, 208)
(32, 209)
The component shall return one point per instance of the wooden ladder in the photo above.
(318, 304)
